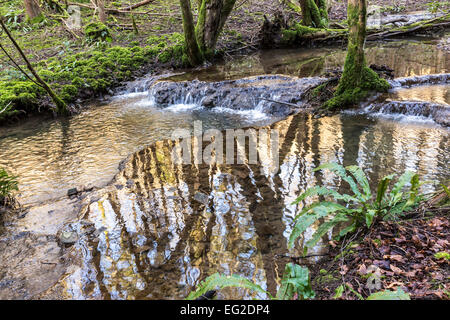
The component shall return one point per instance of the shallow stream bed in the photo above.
(160, 227)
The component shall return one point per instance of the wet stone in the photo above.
(201, 197)
(68, 237)
(72, 192)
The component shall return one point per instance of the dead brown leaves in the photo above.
(402, 255)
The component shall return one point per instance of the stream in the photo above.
(153, 229)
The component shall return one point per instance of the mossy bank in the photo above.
(87, 74)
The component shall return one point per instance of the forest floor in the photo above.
(50, 38)
(409, 254)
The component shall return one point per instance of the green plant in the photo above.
(97, 31)
(295, 281)
(360, 209)
(435, 6)
(389, 295)
(442, 255)
(381, 295)
(8, 184)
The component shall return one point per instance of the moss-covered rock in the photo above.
(97, 31)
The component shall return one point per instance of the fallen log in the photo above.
(137, 5)
(272, 34)
(113, 10)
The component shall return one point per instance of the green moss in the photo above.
(294, 34)
(326, 277)
(87, 73)
(315, 15)
(69, 93)
(96, 31)
(354, 87)
(318, 90)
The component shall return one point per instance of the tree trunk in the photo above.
(315, 13)
(32, 8)
(192, 49)
(201, 40)
(101, 11)
(211, 19)
(357, 80)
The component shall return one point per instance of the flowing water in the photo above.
(160, 227)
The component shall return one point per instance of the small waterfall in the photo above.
(411, 110)
(254, 97)
(420, 80)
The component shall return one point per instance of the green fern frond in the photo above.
(341, 172)
(316, 211)
(361, 179)
(324, 191)
(324, 227)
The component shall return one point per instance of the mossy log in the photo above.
(299, 34)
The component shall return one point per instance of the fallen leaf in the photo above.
(396, 269)
(395, 257)
(395, 284)
(362, 270)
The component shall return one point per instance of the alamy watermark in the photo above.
(233, 146)
(74, 20)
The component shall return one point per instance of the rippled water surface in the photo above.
(407, 58)
(167, 226)
(160, 227)
(51, 156)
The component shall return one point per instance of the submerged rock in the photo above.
(68, 237)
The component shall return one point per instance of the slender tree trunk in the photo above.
(192, 49)
(201, 40)
(32, 8)
(61, 107)
(211, 19)
(355, 61)
(101, 11)
(315, 13)
(358, 79)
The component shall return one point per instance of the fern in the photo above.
(295, 281)
(359, 209)
(8, 184)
